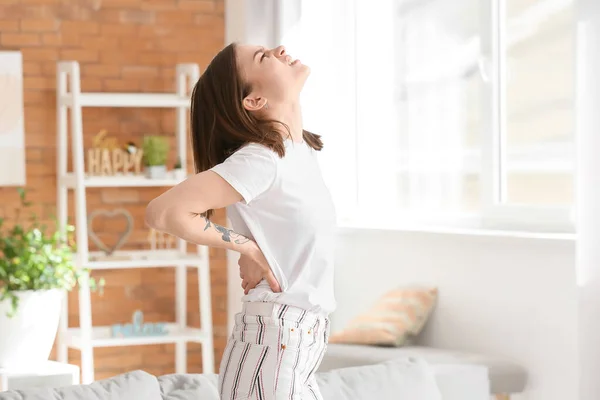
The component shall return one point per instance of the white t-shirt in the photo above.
(287, 209)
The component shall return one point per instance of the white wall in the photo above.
(588, 197)
(515, 298)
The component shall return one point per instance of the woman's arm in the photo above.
(177, 212)
(246, 174)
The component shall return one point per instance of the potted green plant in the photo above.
(178, 170)
(36, 268)
(156, 151)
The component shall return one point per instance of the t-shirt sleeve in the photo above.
(251, 171)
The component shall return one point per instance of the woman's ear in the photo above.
(254, 103)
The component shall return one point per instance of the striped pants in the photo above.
(273, 354)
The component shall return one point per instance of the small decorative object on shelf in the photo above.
(130, 148)
(122, 236)
(159, 240)
(178, 170)
(107, 158)
(102, 141)
(138, 328)
(156, 150)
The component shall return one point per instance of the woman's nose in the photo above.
(279, 51)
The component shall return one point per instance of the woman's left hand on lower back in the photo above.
(254, 268)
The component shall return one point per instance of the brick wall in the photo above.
(122, 45)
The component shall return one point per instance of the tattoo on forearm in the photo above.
(226, 234)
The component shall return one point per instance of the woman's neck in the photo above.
(291, 115)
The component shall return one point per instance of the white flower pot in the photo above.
(27, 337)
(179, 174)
(156, 171)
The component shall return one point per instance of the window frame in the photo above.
(496, 213)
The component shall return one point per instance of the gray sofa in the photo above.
(393, 380)
(347, 373)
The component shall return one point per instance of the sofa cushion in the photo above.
(396, 379)
(505, 376)
(462, 381)
(132, 385)
(189, 386)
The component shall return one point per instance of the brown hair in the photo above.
(220, 125)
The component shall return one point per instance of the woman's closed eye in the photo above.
(263, 56)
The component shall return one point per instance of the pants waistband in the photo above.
(283, 311)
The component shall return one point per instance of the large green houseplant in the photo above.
(36, 267)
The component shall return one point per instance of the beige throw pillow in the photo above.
(396, 317)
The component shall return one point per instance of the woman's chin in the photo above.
(298, 64)
(303, 71)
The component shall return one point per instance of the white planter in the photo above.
(156, 171)
(27, 338)
(179, 174)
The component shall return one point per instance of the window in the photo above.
(532, 88)
(448, 113)
(537, 50)
(419, 108)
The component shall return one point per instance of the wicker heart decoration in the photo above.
(123, 236)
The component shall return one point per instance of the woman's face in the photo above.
(275, 77)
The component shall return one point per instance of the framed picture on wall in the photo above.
(12, 129)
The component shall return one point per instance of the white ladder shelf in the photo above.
(86, 336)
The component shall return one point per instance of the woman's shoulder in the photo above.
(255, 150)
(253, 156)
(257, 147)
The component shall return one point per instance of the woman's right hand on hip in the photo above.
(254, 268)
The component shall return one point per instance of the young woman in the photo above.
(253, 157)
